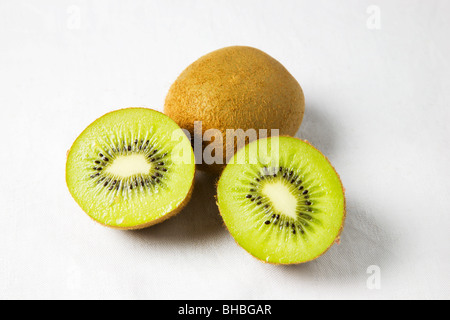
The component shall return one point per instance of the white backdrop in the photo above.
(376, 76)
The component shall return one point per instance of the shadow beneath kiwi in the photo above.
(200, 220)
(317, 129)
(364, 242)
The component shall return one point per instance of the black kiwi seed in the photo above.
(249, 196)
(267, 222)
(305, 192)
(308, 203)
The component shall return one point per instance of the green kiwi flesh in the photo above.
(131, 168)
(284, 205)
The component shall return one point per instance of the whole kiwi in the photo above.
(235, 88)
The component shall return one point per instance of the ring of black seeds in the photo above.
(152, 154)
(303, 214)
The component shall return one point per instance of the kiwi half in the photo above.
(131, 169)
(235, 88)
(285, 205)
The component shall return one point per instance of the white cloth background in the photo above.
(376, 76)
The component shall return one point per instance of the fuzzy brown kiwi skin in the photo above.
(337, 240)
(145, 225)
(236, 87)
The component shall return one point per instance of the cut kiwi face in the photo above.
(131, 169)
(285, 205)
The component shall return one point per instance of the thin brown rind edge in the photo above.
(337, 239)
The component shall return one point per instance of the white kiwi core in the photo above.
(129, 165)
(281, 198)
